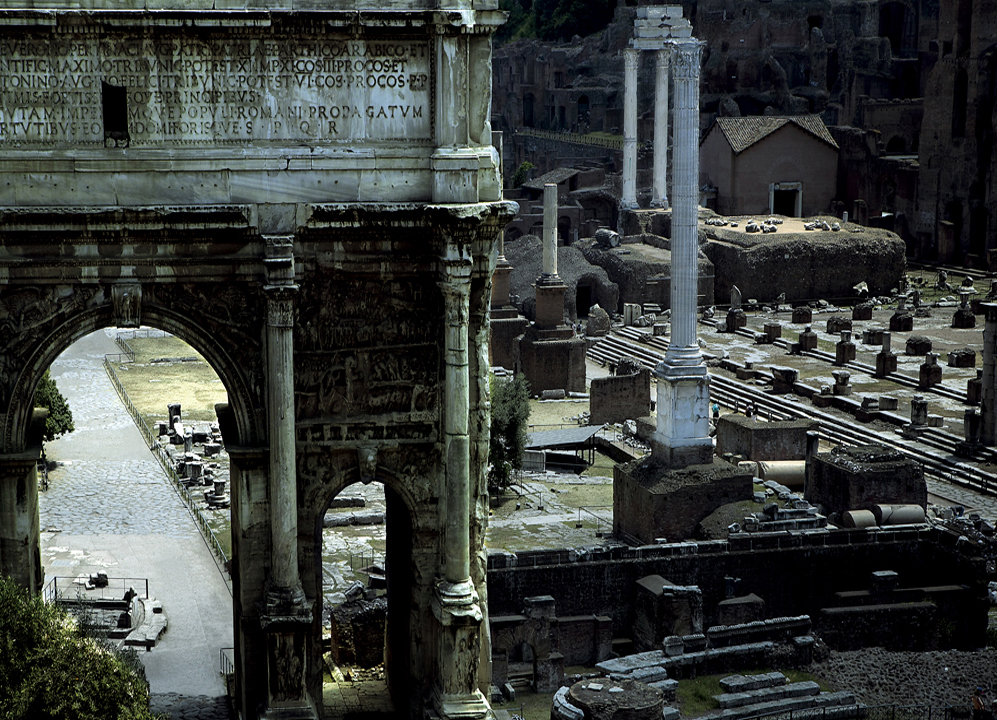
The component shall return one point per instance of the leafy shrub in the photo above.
(507, 441)
(60, 417)
(51, 670)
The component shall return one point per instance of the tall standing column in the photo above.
(456, 295)
(660, 197)
(630, 58)
(988, 404)
(287, 618)
(550, 229)
(682, 434)
(549, 288)
(456, 605)
(280, 291)
(684, 347)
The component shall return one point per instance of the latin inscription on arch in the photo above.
(184, 89)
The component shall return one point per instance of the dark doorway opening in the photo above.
(583, 300)
(784, 202)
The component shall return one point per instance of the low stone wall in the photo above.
(805, 266)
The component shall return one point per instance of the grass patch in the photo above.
(696, 695)
(150, 386)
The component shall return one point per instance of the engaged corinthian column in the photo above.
(682, 436)
(660, 197)
(630, 57)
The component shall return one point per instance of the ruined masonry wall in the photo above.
(799, 579)
(616, 399)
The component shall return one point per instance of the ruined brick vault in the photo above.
(309, 196)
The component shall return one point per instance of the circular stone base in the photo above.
(604, 699)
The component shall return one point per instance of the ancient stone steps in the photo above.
(835, 706)
(753, 697)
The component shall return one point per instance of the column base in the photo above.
(456, 603)
(682, 433)
(464, 707)
(663, 204)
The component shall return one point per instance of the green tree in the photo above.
(519, 26)
(510, 415)
(50, 669)
(522, 174)
(60, 417)
(563, 19)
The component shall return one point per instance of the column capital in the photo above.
(631, 57)
(280, 305)
(663, 57)
(688, 58)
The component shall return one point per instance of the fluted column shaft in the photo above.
(660, 197)
(630, 58)
(456, 295)
(684, 348)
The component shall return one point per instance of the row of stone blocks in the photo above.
(767, 694)
(625, 667)
(835, 706)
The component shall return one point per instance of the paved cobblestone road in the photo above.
(109, 506)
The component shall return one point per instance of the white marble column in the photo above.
(456, 288)
(682, 434)
(684, 347)
(280, 291)
(660, 195)
(550, 229)
(630, 58)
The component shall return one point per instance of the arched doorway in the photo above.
(366, 566)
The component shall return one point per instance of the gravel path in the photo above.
(880, 677)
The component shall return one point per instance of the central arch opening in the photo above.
(122, 510)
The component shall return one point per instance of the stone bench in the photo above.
(753, 697)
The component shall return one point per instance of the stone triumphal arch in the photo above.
(308, 193)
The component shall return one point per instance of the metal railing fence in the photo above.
(165, 461)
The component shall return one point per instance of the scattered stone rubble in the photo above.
(189, 464)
